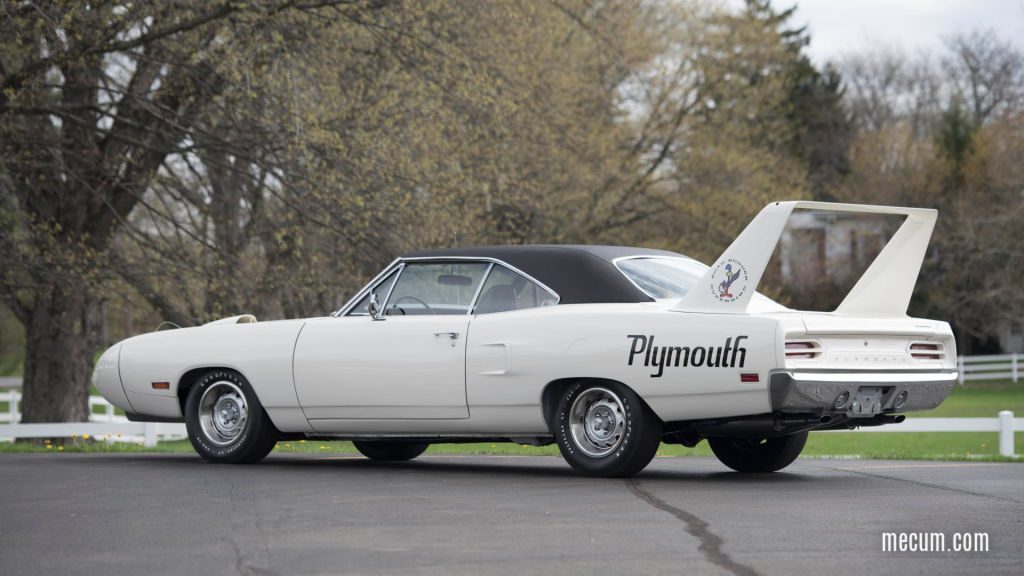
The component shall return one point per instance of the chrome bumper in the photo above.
(867, 394)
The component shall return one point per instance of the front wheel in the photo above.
(225, 421)
(758, 454)
(604, 429)
(390, 451)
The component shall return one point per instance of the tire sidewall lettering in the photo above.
(568, 444)
(197, 435)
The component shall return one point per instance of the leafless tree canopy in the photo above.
(187, 160)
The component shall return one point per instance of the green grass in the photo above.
(11, 365)
(911, 445)
(78, 445)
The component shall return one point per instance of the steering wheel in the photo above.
(414, 299)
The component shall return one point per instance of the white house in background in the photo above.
(1011, 337)
(820, 245)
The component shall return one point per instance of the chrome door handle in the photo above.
(453, 336)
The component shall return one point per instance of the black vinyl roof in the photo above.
(579, 274)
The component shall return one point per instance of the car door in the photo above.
(407, 363)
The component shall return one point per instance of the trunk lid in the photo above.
(828, 341)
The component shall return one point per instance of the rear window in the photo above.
(665, 278)
(662, 277)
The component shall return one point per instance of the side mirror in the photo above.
(374, 307)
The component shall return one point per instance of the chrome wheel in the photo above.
(223, 412)
(597, 422)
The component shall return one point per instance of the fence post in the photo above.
(1016, 366)
(110, 412)
(1006, 433)
(960, 369)
(149, 434)
(12, 405)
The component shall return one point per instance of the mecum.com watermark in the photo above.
(934, 542)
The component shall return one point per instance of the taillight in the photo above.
(926, 351)
(802, 349)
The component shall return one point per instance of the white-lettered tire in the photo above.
(390, 451)
(758, 455)
(603, 429)
(225, 421)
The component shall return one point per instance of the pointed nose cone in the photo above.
(106, 377)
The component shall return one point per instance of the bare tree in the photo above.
(986, 73)
(93, 100)
(946, 133)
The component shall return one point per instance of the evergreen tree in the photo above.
(818, 129)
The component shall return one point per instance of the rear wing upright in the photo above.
(883, 290)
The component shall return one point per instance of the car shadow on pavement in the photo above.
(544, 466)
(726, 476)
(520, 466)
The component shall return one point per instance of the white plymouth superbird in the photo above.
(606, 351)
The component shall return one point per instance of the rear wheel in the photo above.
(604, 429)
(758, 454)
(225, 421)
(390, 451)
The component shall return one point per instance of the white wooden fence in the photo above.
(995, 367)
(103, 425)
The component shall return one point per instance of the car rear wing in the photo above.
(883, 290)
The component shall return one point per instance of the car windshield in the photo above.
(670, 278)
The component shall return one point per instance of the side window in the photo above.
(505, 290)
(381, 290)
(435, 288)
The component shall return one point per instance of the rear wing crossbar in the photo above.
(883, 290)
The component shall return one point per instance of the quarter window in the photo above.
(505, 290)
(435, 288)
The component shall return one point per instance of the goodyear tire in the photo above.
(758, 455)
(604, 429)
(390, 451)
(225, 421)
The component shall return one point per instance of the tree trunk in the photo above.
(59, 354)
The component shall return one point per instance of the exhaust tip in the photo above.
(841, 400)
(825, 419)
(901, 399)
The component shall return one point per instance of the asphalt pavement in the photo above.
(318, 514)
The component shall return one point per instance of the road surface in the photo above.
(319, 514)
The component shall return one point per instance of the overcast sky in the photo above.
(840, 26)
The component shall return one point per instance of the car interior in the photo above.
(448, 289)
